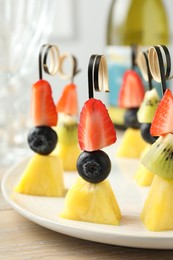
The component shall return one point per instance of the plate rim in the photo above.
(44, 222)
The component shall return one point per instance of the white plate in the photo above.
(44, 211)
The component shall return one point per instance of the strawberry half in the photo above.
(42, 105)
(68, 102)
(163, 119)
(95, 129)
(132, 90)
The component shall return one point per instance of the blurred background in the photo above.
(80, 28)
(87, 25)
(76, 26)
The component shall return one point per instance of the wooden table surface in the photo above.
(23, 239)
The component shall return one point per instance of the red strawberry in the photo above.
(68, 101)
(42, 105)
(95, 129)
(132, 90)
(163, 119)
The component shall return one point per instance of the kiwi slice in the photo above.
(67, 130)
(148, 106)
(159, 158)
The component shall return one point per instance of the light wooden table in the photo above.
(22, 239)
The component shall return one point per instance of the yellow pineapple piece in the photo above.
(157, 214)
(143, 176)
(117, 115)
(132, 144)
(92, 203)
(43, 176)
(68, 154)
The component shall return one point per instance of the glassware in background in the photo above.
(25, 25)
(143, 23)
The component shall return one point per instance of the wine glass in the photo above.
(25, 25)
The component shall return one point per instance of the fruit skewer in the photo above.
(130, 97)
(91, 197)
(43, 175)
(67, 106)
(145, 116)
(157, 213)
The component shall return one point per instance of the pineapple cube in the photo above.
(92, 203)
(157, 214)
(43, 176)
(143, 177)
(68, 154)
(132, 144)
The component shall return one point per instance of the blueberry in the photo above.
(130, 118)
(94, 166)
(145, 132)
(42, 139)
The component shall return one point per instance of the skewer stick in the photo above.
(53, 67)
(160, 64)
(97, 74)
(143, 64)
(73, 70)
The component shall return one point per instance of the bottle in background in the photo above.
(130, 22)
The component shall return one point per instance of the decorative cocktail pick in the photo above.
(95, 132)
(97, 75)
(73, 68)
(134, 52)
(49, 53)
(143, 65)
(160, 64)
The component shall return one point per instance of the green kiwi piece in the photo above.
(67, 130)
(159, 159)
(148, 107)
